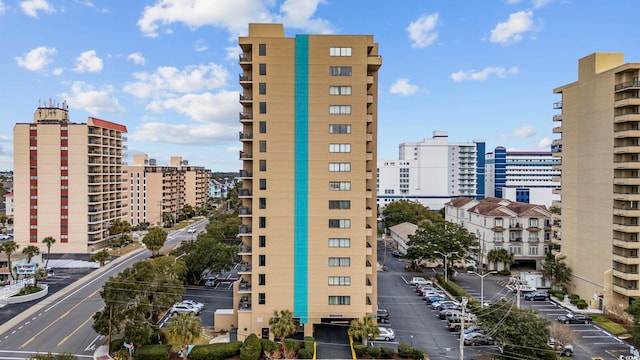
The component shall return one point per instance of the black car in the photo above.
(536, 295)
(383, 315)
(572, 318)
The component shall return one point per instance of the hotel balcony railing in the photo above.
(246, 116)
(246, 136)
(246, 173)
(628, 84)
(557, 105)
(244, 58)
(245, 155)
(244, 77)
(245, 98)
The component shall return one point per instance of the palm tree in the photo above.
(282, 325)
(8, 248)
(49, 240)
(31, 251)
(100, 257)
(507, 258)
(493, 257)
(183, 328)
(362, 329)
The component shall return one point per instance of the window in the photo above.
(262, 260)
(515, 250)
(339, 300)
(339, 242)
(263, 184)
(262, 126)
(262, 68)
(340, 167)
(339, 148)
(497, 222)
(262, 49)
(262, 279)
(533, 250)
(339, 185)
(263, 165)
(262, 222)
(339, 261)
(339, 128)
(262, 203)
(339, 90)
(262, 298)
(339, 109)
(533, 222)
(338, 71)
(263, 145)
(263, 107)
(339, 223)
(339, 204)
(339, 51)
(339, 280)
(262, 88)
(262, 241)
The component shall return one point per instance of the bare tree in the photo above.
(562, 335)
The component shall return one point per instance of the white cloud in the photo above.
(232, 15)
(88, 61)
(403, 87)
(57, 71)
(167, 80)
(200, 46)
(540, 3)
(545, 143)
(33, 7)
(2, 8)
(422, 31)
(86, 3)
(233, 52)
(511, 30)
(92, 100)
(512, 2)
(37, 59)
(206, 107)
(524, 131)
(137, 58)
(182, 134)
(483, 74)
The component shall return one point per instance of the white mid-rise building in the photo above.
(433, 172)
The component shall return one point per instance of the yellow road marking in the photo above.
(74, 331)
(53, 322)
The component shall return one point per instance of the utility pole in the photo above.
(384, 262)
(464, 305)
(109, 340)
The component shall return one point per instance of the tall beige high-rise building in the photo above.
(598, 226)
(309, 132)
(158, 193)
(67, 180)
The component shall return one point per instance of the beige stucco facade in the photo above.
(599, 138)
(67, 180)
(153, 190)
(308, 178)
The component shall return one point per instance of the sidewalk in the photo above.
(574, 309)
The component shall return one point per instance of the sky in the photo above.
(167, 69)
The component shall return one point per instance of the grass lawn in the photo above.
(130, 247)
(609, 325)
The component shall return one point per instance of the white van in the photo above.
(419, 280)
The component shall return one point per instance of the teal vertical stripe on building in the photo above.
(301, 182)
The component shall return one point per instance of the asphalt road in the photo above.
(62, 322)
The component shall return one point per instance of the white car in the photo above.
(193, 303)
(191, 230)
(184, 308)
(384, 334)
(4, 237)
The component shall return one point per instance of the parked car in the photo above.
(565, 350)
(472, 329)
(193, 303)
(446, 313)
(4, 237)
(476, 338)
(444, 304)
(536, 295)
(572, 318)
(384, 334)
(419, 280)
(396, 253)
(210, 283)
(184, 308)
(435, 298)
(383, 315)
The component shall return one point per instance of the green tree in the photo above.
(282, 325)
(251, 348)
(8, 248)
(496, 256)
(119, 226)
(183, 329)
(493, 256)
(30, 251)
(48, 241)
(556, 270)
(39, 275)
(50, 356)
(634, 310)
(154, 240)
(440, 236)
(100, 257)
(203, 255)
(188, 211)
(361, 329)
(520, 333)
(3, 220)
(406, 211)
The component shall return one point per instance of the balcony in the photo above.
(244, 268)
(244, 78)
(629, 276)
(557, 130)
(374, 62)
(244, 230)
(632, 84)
(244, 99)
(626, 165)
(246, 173)
(244, 210)
(626, 133)
(557, 117)
(628, 290)
(626, 181)
(246, 116)
(630, 244)
(245, 155)
(370, 79)
(244, 249)
(369, 136)
(368, 250)
(626, 260)
(628, 149)
(245, 136)
(557, 105)
(630, 101)
(244, 192)
(244, 287)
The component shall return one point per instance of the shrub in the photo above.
(574, 301)
(219, 351)
(251, 348)
(308, 342)
(268, 345)
(360, 350)
(116, 345)
(404, 350)
(417, 354)
(387, 353)
(574, 296)
(291, 344)
(373, 351)
(305, 354)
(504, 272)
(582, 304)
(559, 295)
(153, 352)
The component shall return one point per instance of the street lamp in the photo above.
(446, 257)
(411, 340)
(482, 286)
